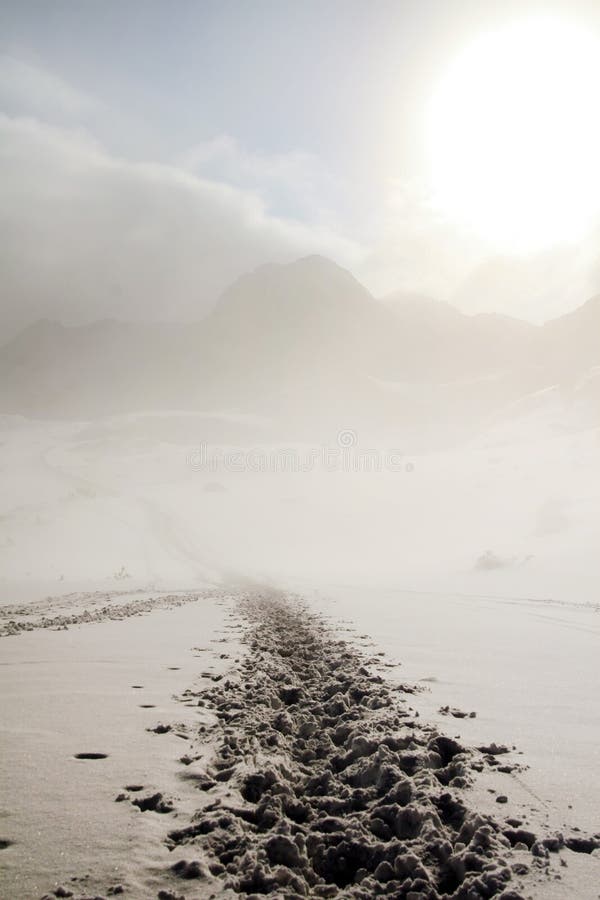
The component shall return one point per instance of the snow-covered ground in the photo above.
(473, 562)
(512, 511)
(97, 689)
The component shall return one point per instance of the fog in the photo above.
(299, 449)
(306, 430)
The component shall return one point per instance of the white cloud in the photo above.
(33, 90)
(416, 250)
(407, 248)
(85, 235)
(412, 249)
(294, 183)
(538, 287)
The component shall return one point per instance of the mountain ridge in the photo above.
(305, 334)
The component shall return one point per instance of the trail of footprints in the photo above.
(327, 784)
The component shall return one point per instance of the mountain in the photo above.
(98, 369)
(303, 342)
(276, 336)
(439, 342)
(305, 315)
(542, 281)
(571, 345)
(284, 330)
(407, 305)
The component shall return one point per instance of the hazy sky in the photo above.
(153, 151)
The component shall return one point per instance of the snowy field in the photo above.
(473, 563)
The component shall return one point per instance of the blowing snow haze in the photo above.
(299, 449)
(306, 344)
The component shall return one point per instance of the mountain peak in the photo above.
(313, 265)
(308, 283)
(316, 261)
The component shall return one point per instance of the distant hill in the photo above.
(103, 368)
(439, 342)
(571, 344)
(305, 342)
(306, 316)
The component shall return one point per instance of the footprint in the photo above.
(155, 803)
(188, 870)
(134, 787)
(91, 755)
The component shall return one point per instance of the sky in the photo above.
(152, 152)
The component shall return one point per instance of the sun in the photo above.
(513, 135)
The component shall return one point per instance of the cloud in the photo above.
(412, 249)
(84, 234)
(406, 246)
(30, 89)
(539, 286)
(295, 183)
(416, 249)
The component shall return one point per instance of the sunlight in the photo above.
(513, 135)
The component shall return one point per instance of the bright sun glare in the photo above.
(514, 135)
